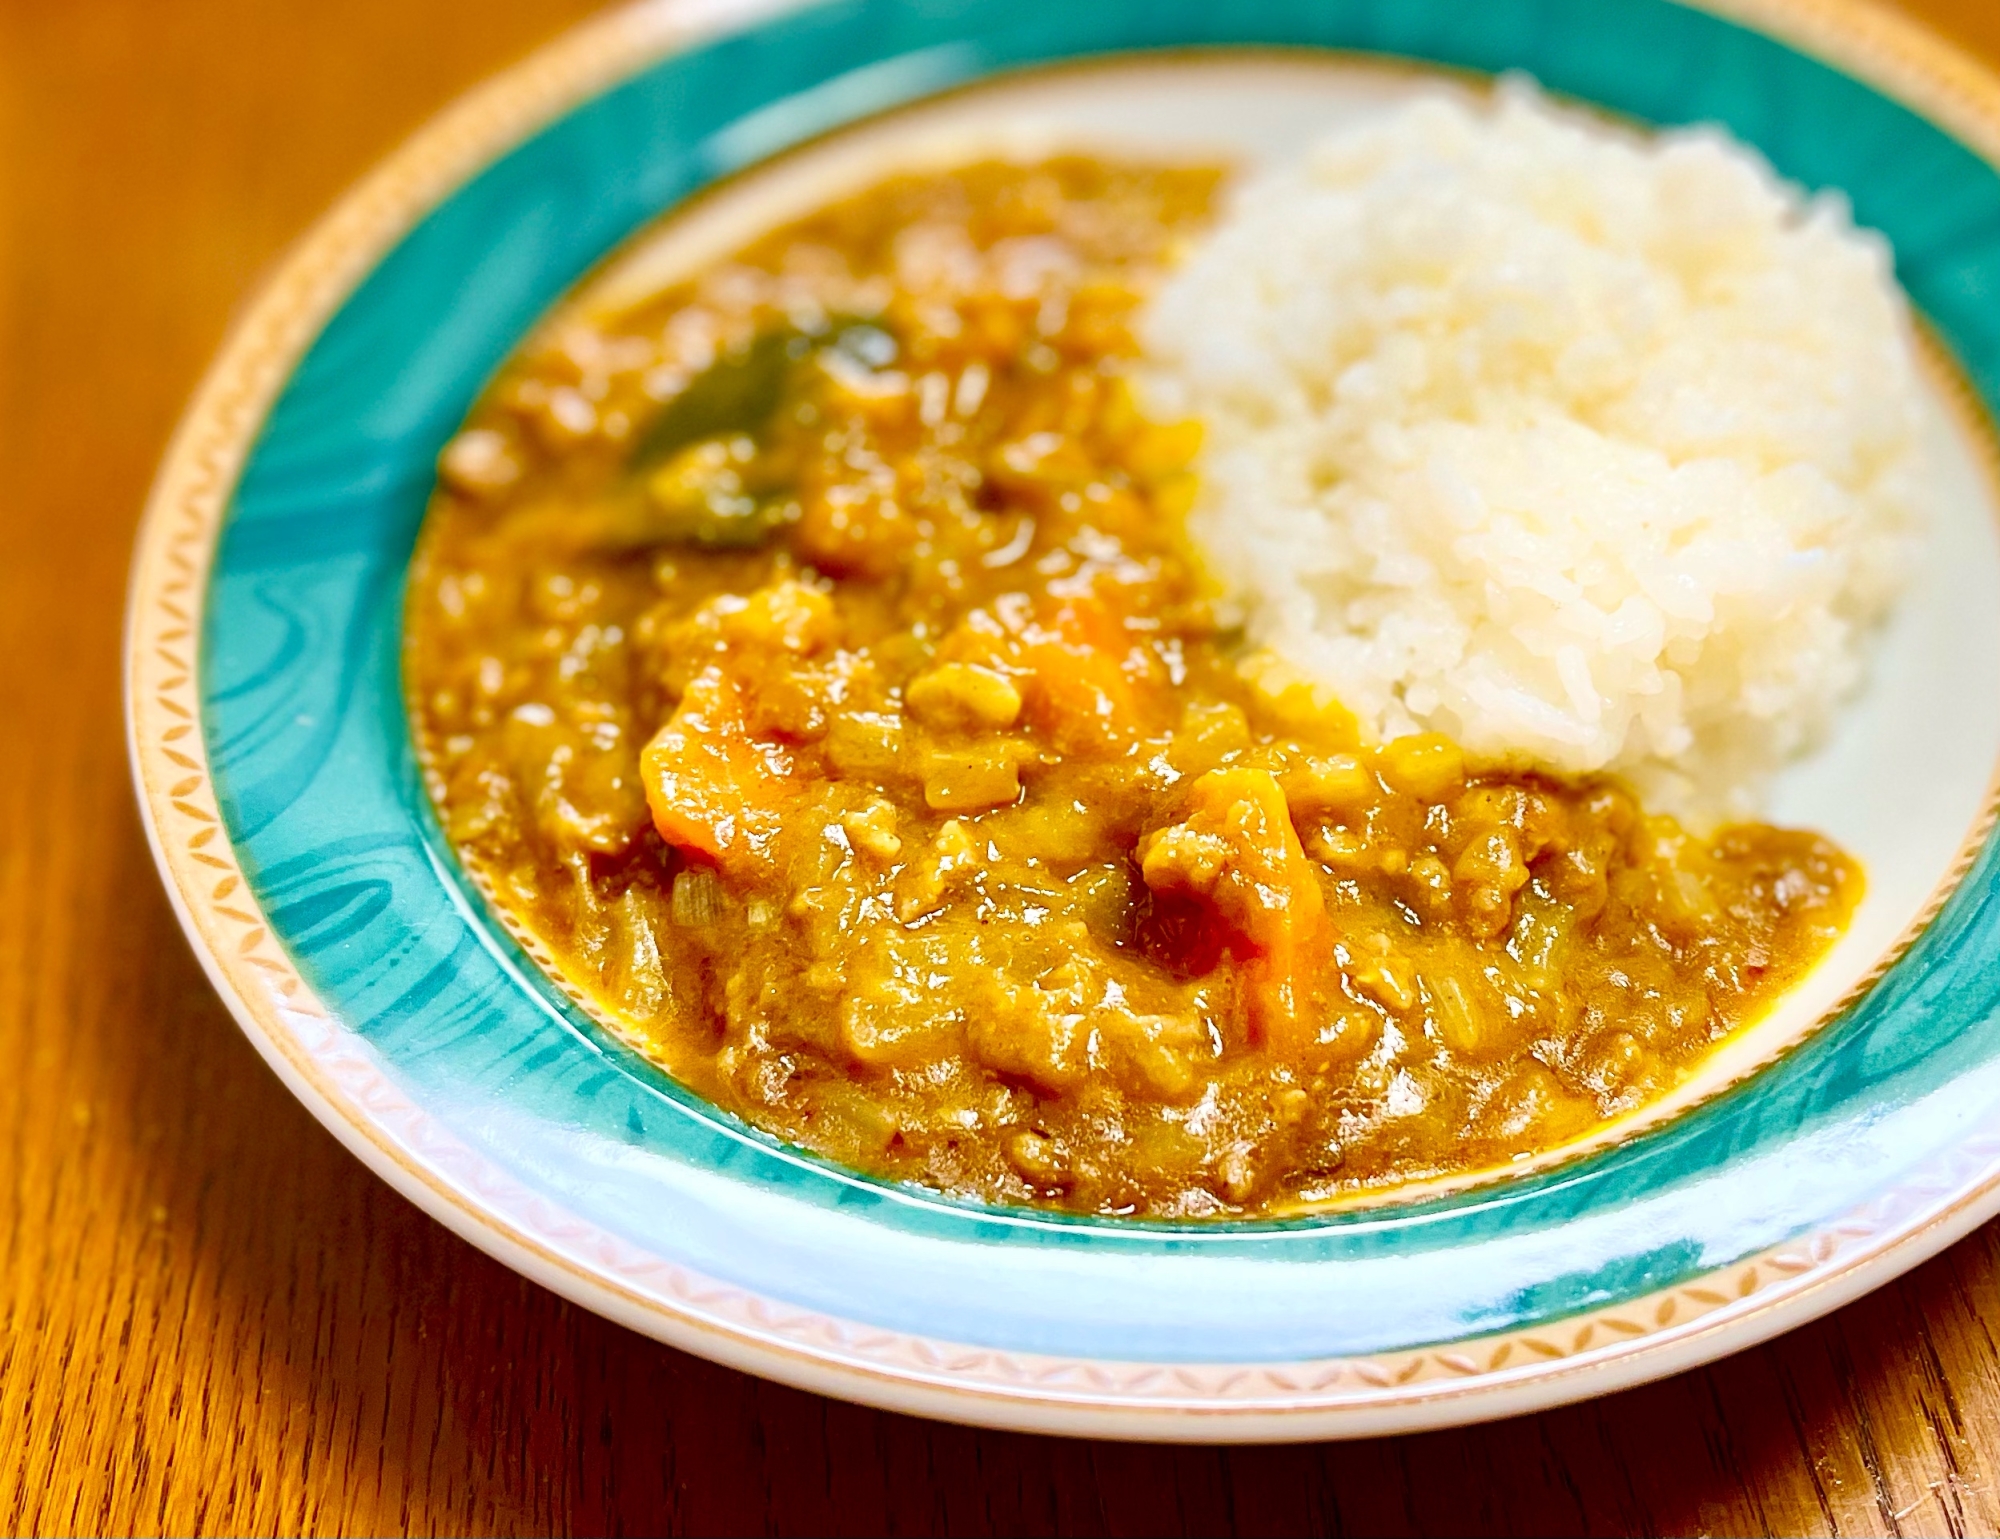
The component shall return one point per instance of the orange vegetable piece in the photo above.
(711, 787)
(1236, 849)
(1092, 689)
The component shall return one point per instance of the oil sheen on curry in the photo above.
(812, 660)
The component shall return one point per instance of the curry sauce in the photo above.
(813, 659)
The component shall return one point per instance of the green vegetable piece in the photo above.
(692, 467)
(742, 390)
(738, 393)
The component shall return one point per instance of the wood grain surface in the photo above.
(213, 1320)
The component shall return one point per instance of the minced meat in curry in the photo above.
(812, 659)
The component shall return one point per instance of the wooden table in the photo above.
(212, 1319)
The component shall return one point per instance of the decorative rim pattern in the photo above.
(338, 1076)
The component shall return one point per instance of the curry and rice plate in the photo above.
(959, 683)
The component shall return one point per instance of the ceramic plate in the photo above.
(1846, 1137)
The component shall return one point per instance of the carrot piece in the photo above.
(1087, 686)
(1090, 691)
(1236, 848)
(712, 788)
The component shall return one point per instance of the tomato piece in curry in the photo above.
(812, 659)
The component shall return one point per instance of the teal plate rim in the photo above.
(278, 784)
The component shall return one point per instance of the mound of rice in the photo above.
(1589, 450)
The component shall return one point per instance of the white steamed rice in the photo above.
(1589, 450)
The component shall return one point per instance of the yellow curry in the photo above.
(811, 658)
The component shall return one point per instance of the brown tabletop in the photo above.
(213, 1319)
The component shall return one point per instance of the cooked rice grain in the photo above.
(1591, 449)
